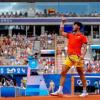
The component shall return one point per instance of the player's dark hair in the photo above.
(79, 24)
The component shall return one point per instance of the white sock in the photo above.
(84, 91)
(60, 89)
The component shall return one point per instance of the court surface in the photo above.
(65, 97)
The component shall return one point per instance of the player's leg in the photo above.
(65, 69)
(80, 71)
(82, 76)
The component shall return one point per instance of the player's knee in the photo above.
(64, 70)
(63, 73)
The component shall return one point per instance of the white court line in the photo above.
(89, 76)
(71, 96)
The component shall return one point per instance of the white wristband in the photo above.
(63, 18)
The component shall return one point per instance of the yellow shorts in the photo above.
(73, 60)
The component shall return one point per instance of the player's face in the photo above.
(75, 27)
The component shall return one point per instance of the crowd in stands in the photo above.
(46, 13)
(67, 14)
(92, 66)
(13, 52)
(13, 14)
(47, 41)
(47, 65)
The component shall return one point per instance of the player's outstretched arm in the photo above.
(62, 27)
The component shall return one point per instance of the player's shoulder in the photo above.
(82, 34)
(70, 33)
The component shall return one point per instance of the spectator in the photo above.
(51, 86)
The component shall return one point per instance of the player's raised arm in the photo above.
(62, 27)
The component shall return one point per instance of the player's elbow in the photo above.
(63, 34)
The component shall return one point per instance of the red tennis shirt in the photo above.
(75, 42)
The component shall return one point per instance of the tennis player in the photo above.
(77, 47)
